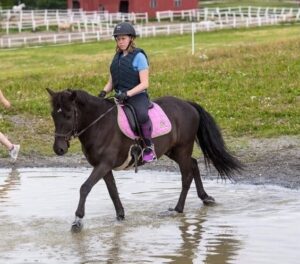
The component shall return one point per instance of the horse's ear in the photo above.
(50, 92)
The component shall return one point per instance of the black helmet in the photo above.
(124, 28)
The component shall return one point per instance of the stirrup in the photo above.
(148, 154)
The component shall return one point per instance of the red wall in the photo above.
(135, 5)
(162, 5)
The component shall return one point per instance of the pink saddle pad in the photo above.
(161, 124)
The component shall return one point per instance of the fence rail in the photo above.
(32, 19)
(218, 13)
(104, 31)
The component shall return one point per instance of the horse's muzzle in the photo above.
(60, 147)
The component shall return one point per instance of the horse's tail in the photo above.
(212, 145)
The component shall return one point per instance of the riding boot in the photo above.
(148, 152)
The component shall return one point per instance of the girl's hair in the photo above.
(131, 46)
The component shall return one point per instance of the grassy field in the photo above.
(247, 79)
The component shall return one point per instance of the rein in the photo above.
(74, 132)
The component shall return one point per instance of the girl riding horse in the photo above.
(129, 77)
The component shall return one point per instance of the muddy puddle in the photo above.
(249, 224)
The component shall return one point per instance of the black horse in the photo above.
(94, 121)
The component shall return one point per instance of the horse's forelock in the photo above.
(60, 100)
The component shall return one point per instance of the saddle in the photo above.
(130, 127)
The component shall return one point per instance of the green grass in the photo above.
(249, 80)
(262, 3)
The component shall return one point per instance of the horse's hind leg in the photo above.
(114, 195)
(185, 164)
(206, 199)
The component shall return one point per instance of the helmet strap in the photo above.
(130, 42)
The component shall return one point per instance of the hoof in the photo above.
(77, 225)
(209, 200)
(120, 217)
(175, 210)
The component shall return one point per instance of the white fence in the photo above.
(32, 19)
(104, 31)
(143, 31)
(219, 13)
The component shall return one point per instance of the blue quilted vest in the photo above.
(124, 77)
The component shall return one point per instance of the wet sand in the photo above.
(267, 161)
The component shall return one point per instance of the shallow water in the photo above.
(249, 224)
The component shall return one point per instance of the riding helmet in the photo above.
(124, 28)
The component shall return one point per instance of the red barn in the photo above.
(136, 6)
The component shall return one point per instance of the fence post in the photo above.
(193, 38)
(205, 13)
(33, 25)
(20, 26)
(153, 31)
(47, 25)
(226, 18)
(234, 20)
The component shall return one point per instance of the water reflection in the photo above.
(199, 247)
(10, 183)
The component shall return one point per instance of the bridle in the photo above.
(74, 131)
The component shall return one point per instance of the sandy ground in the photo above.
(267, 161)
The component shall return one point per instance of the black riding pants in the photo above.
(140, 103)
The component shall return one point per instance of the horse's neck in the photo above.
(92, 111)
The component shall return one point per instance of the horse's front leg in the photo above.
(114, 195)
(85, 188)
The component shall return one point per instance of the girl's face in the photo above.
(123, 42)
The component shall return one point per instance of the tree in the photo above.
(38, 4)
